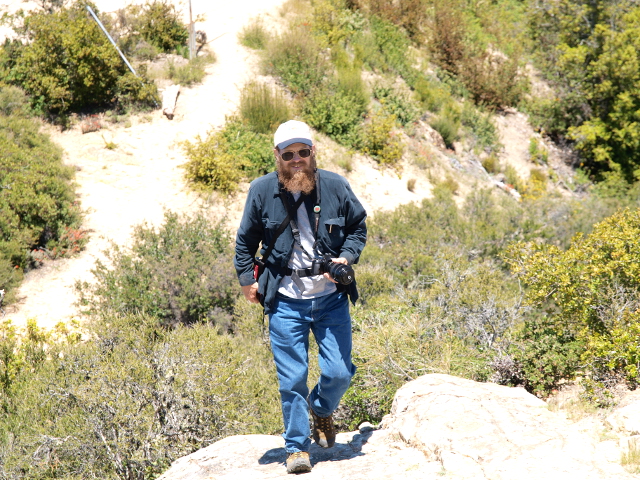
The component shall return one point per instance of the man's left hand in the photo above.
(335, 260)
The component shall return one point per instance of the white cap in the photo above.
(291, 132)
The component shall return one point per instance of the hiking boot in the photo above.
(298, 462)
(324, 433)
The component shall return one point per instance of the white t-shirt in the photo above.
(316, 286)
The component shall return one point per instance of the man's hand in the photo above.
(250, 292)
(335, 260)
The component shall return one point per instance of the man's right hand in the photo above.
(250, 292)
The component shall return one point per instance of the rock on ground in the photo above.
(439, 427)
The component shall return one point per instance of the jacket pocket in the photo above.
(334, 229)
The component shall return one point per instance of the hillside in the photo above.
(141, 178)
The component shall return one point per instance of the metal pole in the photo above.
(95, 17)
(192, 35)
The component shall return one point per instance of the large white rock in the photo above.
(439, 427)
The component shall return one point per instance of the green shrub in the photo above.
(334, 112)
(546, 355)
(537, 152)
(594, 68)
(447, 124)
(379, 140)
(430, 93)
(263, 107)
(254, 35)
(83, 70)
(410, 15)
(37, 201)
(483, 132)
(349, 79)
(180, 272)
(333, 23)
(190, 73)
(512, 178)
(13, 101)
(396, 103)
(131, 400)
(296, 59)
(592, 289)
(227, 156)
(491, 164)
(159, 24)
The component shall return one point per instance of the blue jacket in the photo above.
(342, 231)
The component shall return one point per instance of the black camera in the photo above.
(341, 273)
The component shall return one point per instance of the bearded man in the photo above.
(306, 219)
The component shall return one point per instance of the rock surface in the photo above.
(439, 427)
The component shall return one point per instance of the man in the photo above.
(297, 294)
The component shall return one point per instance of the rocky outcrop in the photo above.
(439, 427)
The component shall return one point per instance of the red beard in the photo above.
(301, 181)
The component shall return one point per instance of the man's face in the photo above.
(297, 174)
(297, 164)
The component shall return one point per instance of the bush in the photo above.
(493, 80)
(83, 71)
(546, 355)
(447, 124)
(156, 23)
(537, 152)
(13, 101)
(180, 272)
(411, 15)
(263, 107)
(254, 35)
(379, 140)
(227, 156)
(296, 59)
(393, 45)
(129, 401)
(396, 102)
(334, 112)
(190, 73)
(484, 135)
(334, 23)
(430, 93)
(592, 290)
(37, 201)
(448, 30)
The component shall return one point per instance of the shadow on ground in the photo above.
(340, 451)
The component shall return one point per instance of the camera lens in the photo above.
(341, 273)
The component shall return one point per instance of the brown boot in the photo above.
(298, 462)
(324, 433)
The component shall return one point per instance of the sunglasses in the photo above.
(304, 153)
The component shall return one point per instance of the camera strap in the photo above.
(293, 212)
(261, 262)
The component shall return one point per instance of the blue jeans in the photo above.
(289, 325)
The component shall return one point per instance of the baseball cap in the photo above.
(291, 132)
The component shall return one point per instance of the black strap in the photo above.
(279, 231)
(294, 224)
(302, 272)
